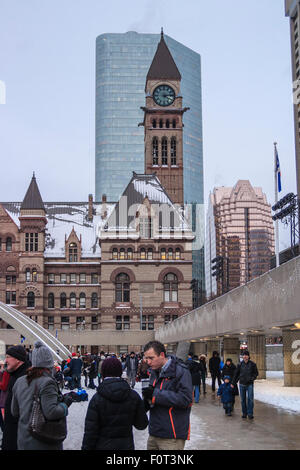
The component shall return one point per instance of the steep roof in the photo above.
(163, 65)
(33, 199)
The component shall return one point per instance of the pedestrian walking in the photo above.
(75, 366)
(143, 373)
(229, 370)
(169, 398)
(4, 381)
(203, 372)
(246, 373)
(214, 369)
(92, 373)
(38, 379)
(131, 366)
(113, 411)
(195, 368)
(100, 362)
(225, 391)
(16, 367)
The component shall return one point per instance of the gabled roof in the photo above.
(140, 187)
(33, 199)
(163, 65)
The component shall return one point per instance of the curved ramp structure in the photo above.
(33, 331)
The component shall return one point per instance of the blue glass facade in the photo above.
(122, 63)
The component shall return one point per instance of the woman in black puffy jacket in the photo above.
(112, 412)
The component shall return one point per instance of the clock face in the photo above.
(164, 95)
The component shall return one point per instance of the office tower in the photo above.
(122, 64)
(240, 231)
(292, 10)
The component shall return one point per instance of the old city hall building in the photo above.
(104, 275)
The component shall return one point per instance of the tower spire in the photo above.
(162, 33)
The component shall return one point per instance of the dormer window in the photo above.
(73, 253)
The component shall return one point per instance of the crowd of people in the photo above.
(32, 382)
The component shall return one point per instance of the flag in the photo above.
(278, 172)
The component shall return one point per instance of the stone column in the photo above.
(291, 357)
(257, 350)
(231, 349)
(199, 348)
(183, 349)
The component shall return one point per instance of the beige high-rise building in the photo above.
(239, 229)
(292, 10)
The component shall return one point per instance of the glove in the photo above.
(67, 399)
(148, 392)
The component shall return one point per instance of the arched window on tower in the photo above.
(154, 123)
(161, 124)
(30, 300)
(63, 300)
(122, 288)
(155, 151)
(168, 124)
(170, 288)
(164, 151)
(174, 123)
(173, 151)
(72, 300)
(82, 300)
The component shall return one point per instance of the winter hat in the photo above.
(18, 352)
(111, 367)
(227, 377)
(41, 356)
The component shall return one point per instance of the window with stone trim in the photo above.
(72, 300)
(30, 300)
(155, 151)
(170, 288)
(173, 151)
(164, 151)
(11, 297)
(82, 300)
(8, 244)
(31, 242)
(50, 323)
(122, 322)
(122, 288)
(115, 253)
(65, 323)
(51, 300)
(63, 300)
(94, 300)
(147, 322)
(129, 253)
(73, 253)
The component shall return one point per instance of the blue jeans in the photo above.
(247, 399)
(196, 393)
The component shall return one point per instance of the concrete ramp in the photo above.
(32, 331)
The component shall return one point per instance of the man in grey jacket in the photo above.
(131, 367)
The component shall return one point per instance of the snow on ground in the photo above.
(273, 392)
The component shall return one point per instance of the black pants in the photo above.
(214, 376)
(228, 407)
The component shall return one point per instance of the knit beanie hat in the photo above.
(18, 352)
(111, 367)
(41, 356)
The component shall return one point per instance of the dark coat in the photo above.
(229, 370)
(10, 432)
(226, 393)
(112, 412)
(245, 373)
(171, 401)
(203, 367)
(76, 366)
(195, 369)
(128, 364)
(214, 365)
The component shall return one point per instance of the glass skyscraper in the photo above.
(122, 63)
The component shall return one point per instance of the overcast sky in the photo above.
(47, 61)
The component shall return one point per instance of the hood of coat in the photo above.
(114, 389)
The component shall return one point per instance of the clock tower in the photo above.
(163, 123)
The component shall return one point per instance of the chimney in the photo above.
(90, 211)
(103, 209)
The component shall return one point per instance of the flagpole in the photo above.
(276, 200)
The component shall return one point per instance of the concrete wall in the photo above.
(274, 357)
